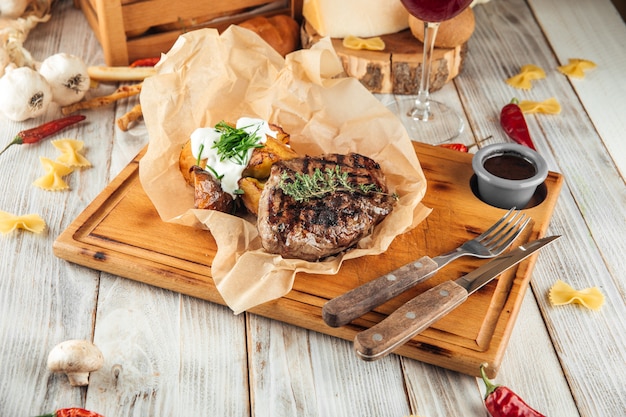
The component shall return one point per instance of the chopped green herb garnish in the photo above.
(214, 172)
(200, 154)
(235, 143)
(208, 167)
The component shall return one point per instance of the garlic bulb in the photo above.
(25, 94)
(67, 76)
(12, 9)
(14, 31)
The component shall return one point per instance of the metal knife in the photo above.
(419, 313)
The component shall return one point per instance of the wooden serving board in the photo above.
(396, 69)
(121, 233)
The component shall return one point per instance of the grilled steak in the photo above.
(324, 225)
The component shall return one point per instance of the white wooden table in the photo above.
(172, 355)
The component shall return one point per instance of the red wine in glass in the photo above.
(435, 10)
(425, 119)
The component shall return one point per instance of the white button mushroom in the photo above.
(67, 76)
(75, 358)
(25, 94)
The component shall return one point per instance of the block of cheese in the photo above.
(362, 18)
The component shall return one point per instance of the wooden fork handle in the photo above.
(353, 304)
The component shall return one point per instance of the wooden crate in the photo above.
(132, 29)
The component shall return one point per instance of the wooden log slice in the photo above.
(395, 69)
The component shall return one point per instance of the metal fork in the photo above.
(495, 240)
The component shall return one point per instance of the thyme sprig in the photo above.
(321, 183)
(235, 143)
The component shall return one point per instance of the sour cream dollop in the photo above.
(205, 137)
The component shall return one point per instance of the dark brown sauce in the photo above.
(510, 166)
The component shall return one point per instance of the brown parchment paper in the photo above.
(207, 77)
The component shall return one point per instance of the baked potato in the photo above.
(186, 161)
(263, 158)
(251, 193)
(208, 192)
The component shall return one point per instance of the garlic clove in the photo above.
(68, 77)
(25, 94)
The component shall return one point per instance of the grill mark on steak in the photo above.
(321, 227)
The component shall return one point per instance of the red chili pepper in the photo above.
(513, 122)
(502, 402)
(72, 412)
(145, 62)
(455, 146)
(38, 133)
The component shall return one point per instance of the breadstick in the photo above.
(122, 92)
(134, 114)
(117, 74)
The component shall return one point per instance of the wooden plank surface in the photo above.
(586, 146)
(121, 233)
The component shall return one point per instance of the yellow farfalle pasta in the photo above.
(562, 293)
(372, 44)
(70, 153)
(549, 106)
(53, 179)
(576, 67)
(31, 222)
(527, 74)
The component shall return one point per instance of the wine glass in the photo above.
(421, 116)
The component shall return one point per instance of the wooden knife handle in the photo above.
(407, 321)
(353, 304)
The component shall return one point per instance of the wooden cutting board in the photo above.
(394, 70)
(121, 233)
